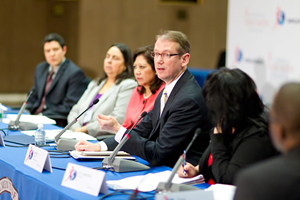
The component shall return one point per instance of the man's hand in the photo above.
(84, 145)
(108, 123)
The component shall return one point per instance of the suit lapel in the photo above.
(156, 114)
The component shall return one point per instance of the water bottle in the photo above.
(1, 113)
(40, 136)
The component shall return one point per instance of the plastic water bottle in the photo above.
(40, 136)
(1, 113)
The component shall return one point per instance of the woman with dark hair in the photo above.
(142, 97)
(240, 137)
(113, 91)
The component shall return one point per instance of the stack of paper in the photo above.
(36, 119)
(99, 155)
(149, 182)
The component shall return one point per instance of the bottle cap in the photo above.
(40, 125)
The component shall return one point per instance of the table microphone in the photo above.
(64, 144)
(172, 187)
(17, 125)
(121, 165)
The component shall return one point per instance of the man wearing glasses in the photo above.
(163, 134)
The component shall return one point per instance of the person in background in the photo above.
(279, 177)
(58, 82)
(179, 109)
(240, 135)
(113, 91)
(144, 95)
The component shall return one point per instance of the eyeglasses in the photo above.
(165, 55)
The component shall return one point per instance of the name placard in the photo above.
(1, 141)
(38, 159)
(84, 179)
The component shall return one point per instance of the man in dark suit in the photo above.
(58, 82)
(166, 131)
(277, 178)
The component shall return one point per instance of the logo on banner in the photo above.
(30, 154)
(280, 16)
(72, 175)
(6, 185)
(238, 54)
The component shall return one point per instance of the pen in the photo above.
(184, 162)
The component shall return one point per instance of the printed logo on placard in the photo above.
(30, 154)
(6, 185)
(72, 175)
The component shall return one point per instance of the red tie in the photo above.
(48, 83)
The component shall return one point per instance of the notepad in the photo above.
(99, 155)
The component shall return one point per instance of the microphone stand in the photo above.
(64, 144)
(172, 187)
(17, 125)
(121, 165)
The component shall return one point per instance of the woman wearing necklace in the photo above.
(113, 91)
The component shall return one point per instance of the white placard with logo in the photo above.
(38, 159)
(84, 179)
(1, 141)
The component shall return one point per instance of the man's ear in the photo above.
(65, 49)
(185, 59)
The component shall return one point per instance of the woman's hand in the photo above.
(83, 145)
(190, 171)
(108, 123)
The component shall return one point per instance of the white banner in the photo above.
(263, 39)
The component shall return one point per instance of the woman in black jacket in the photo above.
(240, 137)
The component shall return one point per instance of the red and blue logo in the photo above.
(72, 174)
(280, 16)
(30, 154)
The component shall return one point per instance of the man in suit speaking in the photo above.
(277, 178)
(179, 109)
(58, 82)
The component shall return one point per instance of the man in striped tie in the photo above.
(58, 82)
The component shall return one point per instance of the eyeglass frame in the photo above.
(165, 55)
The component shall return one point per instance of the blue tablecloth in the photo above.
(31, 184)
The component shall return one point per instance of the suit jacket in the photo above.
(66, 88)
(113, 102)
(277, 178)
(250, 143)
(161, 139)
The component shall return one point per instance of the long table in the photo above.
(30, 184)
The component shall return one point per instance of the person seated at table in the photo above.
(179, 109)
(113, 91)
(240, 136)
(58, 82)
(279, 177)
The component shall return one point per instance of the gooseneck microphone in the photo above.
(17, 125)
(68, 144)
(121, 165)
(171, 187)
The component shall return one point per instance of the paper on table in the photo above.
(99, 155)
(4, 108)
(36, 119)
(148, 182)
(222, 191)
(50, 134)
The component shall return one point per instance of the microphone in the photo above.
(172, 187)
(17, 125)
(68, 144)
(121, 165)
